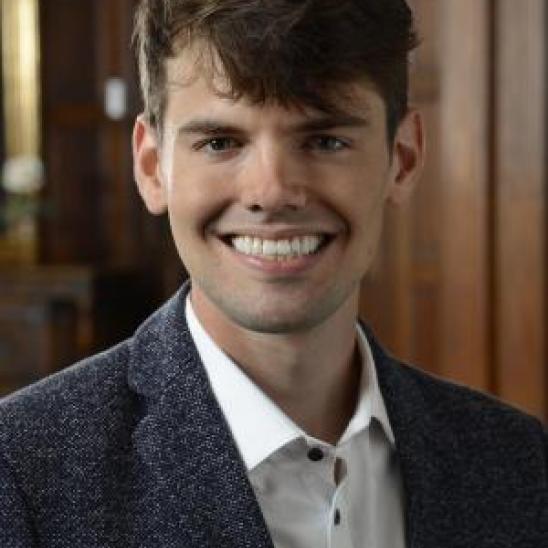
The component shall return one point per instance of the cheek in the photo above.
(195, 197)
(358, 197)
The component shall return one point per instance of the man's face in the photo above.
(276, 212)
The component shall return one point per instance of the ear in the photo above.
(407, 158)
(146, 166)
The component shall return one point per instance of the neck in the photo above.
(313, 376)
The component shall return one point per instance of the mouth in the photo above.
(279, 249)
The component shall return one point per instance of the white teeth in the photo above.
(277, 249)
(296, 246)
(257, 246)
(308, 245)
(270, 247)
(284, 247)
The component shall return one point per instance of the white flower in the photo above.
(23, 175)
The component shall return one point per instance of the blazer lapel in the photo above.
(411, 434)
(444, 440)
(430, 462)
(193, 489)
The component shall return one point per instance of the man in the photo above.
(253, 410)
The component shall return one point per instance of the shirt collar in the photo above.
(258, 425)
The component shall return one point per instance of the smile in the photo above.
(278, 250)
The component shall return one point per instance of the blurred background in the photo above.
(460, 286)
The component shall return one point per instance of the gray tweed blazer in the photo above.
(130, 449)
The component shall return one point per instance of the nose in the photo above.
(273, 180)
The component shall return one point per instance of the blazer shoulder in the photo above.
(454, 399)
(84, 395)
(469, 396)
(100, 398)
(478, 420)
(75, 381)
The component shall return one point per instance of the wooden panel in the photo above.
(2, 130)
(386, 295)
(94, 216)
(119, 206)
(69, 59)
(399, 297)
(52, 316)
(36, 339)
(73, 232)
(464, 337)
(426, 203)
(520, 204)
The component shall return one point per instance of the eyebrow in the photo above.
(322, 123)
(208, 127)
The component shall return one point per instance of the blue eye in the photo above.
(219, 144)
(327, 143)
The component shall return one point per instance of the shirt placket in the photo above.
(338, 529)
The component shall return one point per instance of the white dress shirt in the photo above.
(312, 494)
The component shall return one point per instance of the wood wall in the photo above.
(94, 215)
(461, 284)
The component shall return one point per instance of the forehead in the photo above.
(195, 77)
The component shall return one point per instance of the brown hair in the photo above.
(290, 51)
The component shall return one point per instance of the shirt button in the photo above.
(337, 517)
(315, 454)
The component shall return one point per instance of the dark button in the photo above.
(315, 454)
(337, 516)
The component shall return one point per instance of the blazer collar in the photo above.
(458, 487)
(193, 489)
(411, 425)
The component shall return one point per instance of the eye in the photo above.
(326, 143)
(218, 144)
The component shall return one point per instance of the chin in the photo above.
(272, 318)
(274, 325)
(276, 313)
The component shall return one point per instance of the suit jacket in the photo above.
(130, 449)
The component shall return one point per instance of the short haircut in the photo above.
(287, 51)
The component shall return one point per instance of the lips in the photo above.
(278, 249)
